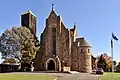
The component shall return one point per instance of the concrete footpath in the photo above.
(67, 76)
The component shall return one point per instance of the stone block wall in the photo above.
(74, 57)
(84, 59)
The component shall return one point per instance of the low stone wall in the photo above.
(66, 69)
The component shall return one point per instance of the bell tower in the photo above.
(28, 19)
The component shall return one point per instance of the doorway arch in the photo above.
(50, 64)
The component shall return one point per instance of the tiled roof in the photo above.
(83, 42)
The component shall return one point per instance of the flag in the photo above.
(114, 37)
(111, 43)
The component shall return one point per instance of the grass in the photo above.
(25, 77)
(110, 76)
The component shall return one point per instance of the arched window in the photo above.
(88, 50)
(54, 40)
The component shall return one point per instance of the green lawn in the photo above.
(110, 76)
(25, 77)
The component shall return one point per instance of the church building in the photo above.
(59, 46)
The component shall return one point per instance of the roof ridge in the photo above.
(29, 11)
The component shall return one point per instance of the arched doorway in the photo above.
(51, 65)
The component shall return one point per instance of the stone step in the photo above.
(69, 72)
(73, 72)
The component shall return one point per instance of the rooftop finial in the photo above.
(52, 6)
(74, 25)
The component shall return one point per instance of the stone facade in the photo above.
(60, 47)
(28, 19)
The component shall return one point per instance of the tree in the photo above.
(102, 63)
(118, 67)
(108, 60)
(9, 45)
(25, 40)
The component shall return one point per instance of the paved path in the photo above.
(67, 76)
(80, 76)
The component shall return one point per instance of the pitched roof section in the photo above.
(29, 12)
(73, 29)
(82, 42)
(52, 14)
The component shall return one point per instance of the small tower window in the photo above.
(81, 50)
(88, 50)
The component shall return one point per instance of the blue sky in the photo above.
(95, 19)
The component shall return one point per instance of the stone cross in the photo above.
(52, 6)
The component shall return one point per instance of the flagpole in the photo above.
(115, 38)
(112, 54)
